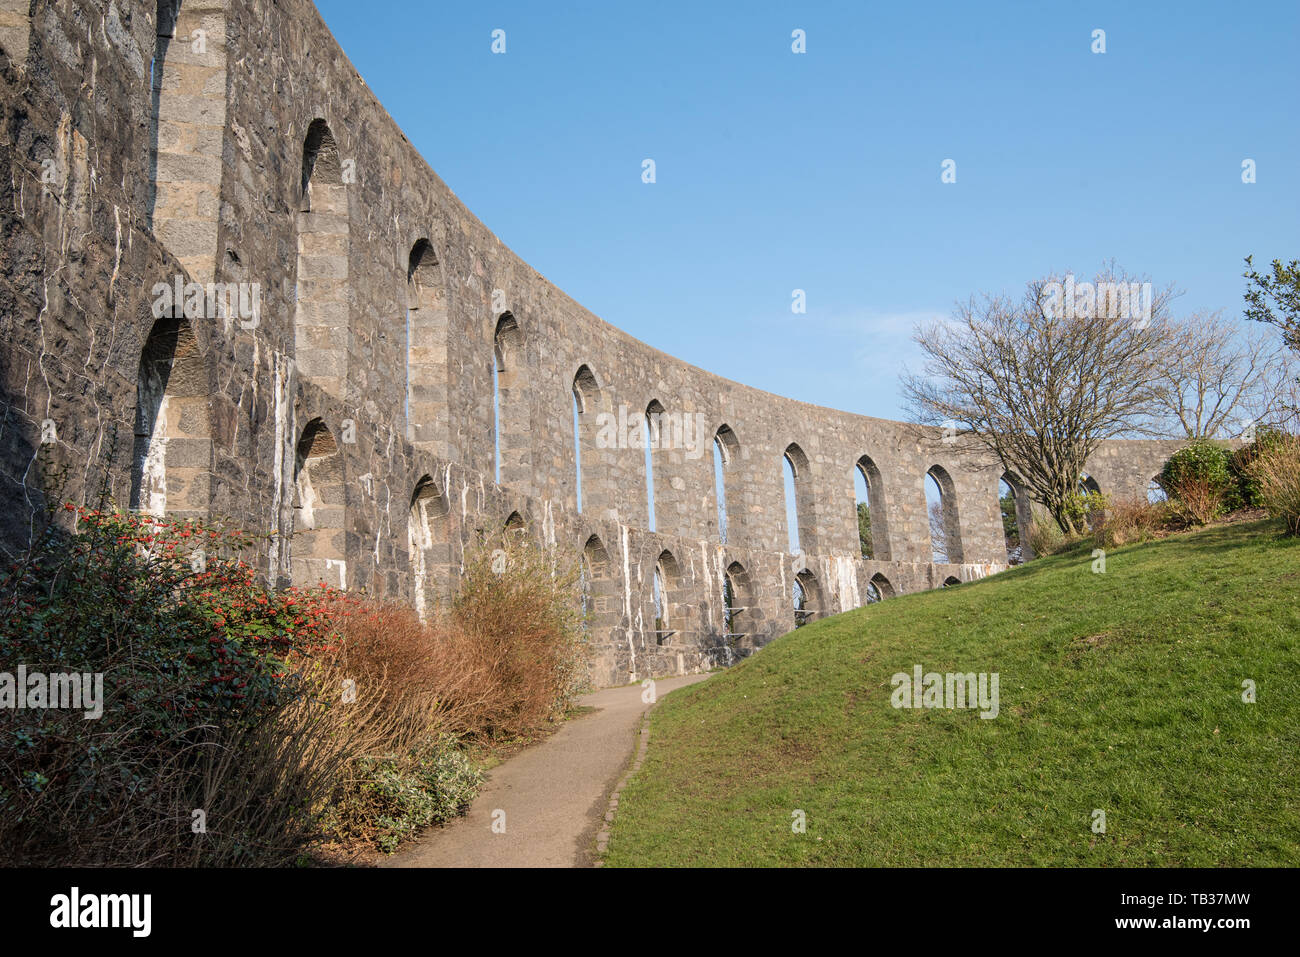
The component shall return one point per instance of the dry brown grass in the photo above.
(260, 791)
(1196, 501)
(1045, 538)
(1128, 521)
(497, 668)
(1277, 472)
(505, 660)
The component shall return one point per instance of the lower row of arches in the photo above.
(174, 462)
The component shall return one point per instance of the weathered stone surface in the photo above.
(263, 159)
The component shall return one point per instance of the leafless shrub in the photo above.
(1277, 472)
(1196, 500)
(1128, 521)
(1041, 386)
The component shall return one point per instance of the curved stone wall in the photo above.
(231, 142)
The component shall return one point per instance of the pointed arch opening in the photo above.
(808, 599)
(653, 416)
(740, 613)
(512, 421)
(429, 546)
(172, 462)
(798, 500)
(317, 547)
(591, 413)
(321, 295)
(726, 479)
(1089, 486)
(598, 589)
(1015, 508)
(426, 349)
(941, 510)
(664, 590)
(879, 588)
(870, 511)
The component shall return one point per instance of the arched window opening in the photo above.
(666, 580)
(591, 459)
(1088, 486)
(428, 545)
(661, 613)
(661, 610)
(600, 599)
(1009, 508)
(511, 416)
(739, 615)
(934, 513)
(941, 510)
(317, 544)
(807, 598)
(869, 508)
(950, 581)
(881, 587)
(321, 298)
(496, 419)
(720, 488)
(584, 590)
(725, 450)
(862, 506)
(577, 450)
(172, 460)
(426, 348)
(653, 413)
(1156, 493)
(798, 500)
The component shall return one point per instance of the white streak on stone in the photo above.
(342, 566)
(153, 472)
(627, 597)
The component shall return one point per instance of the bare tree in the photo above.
(938, 532)
(1220, 378)
(1042, 381)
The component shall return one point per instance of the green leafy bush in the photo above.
(1086, 507)
(395, 796)
(1199, 481)
(1201, 460)
(193, 657)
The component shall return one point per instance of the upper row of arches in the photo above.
(593, 462)
(321, 339)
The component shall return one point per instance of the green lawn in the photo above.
(1119, 691)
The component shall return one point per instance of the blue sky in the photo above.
(821, 171)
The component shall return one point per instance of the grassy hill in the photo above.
(1119, 692)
